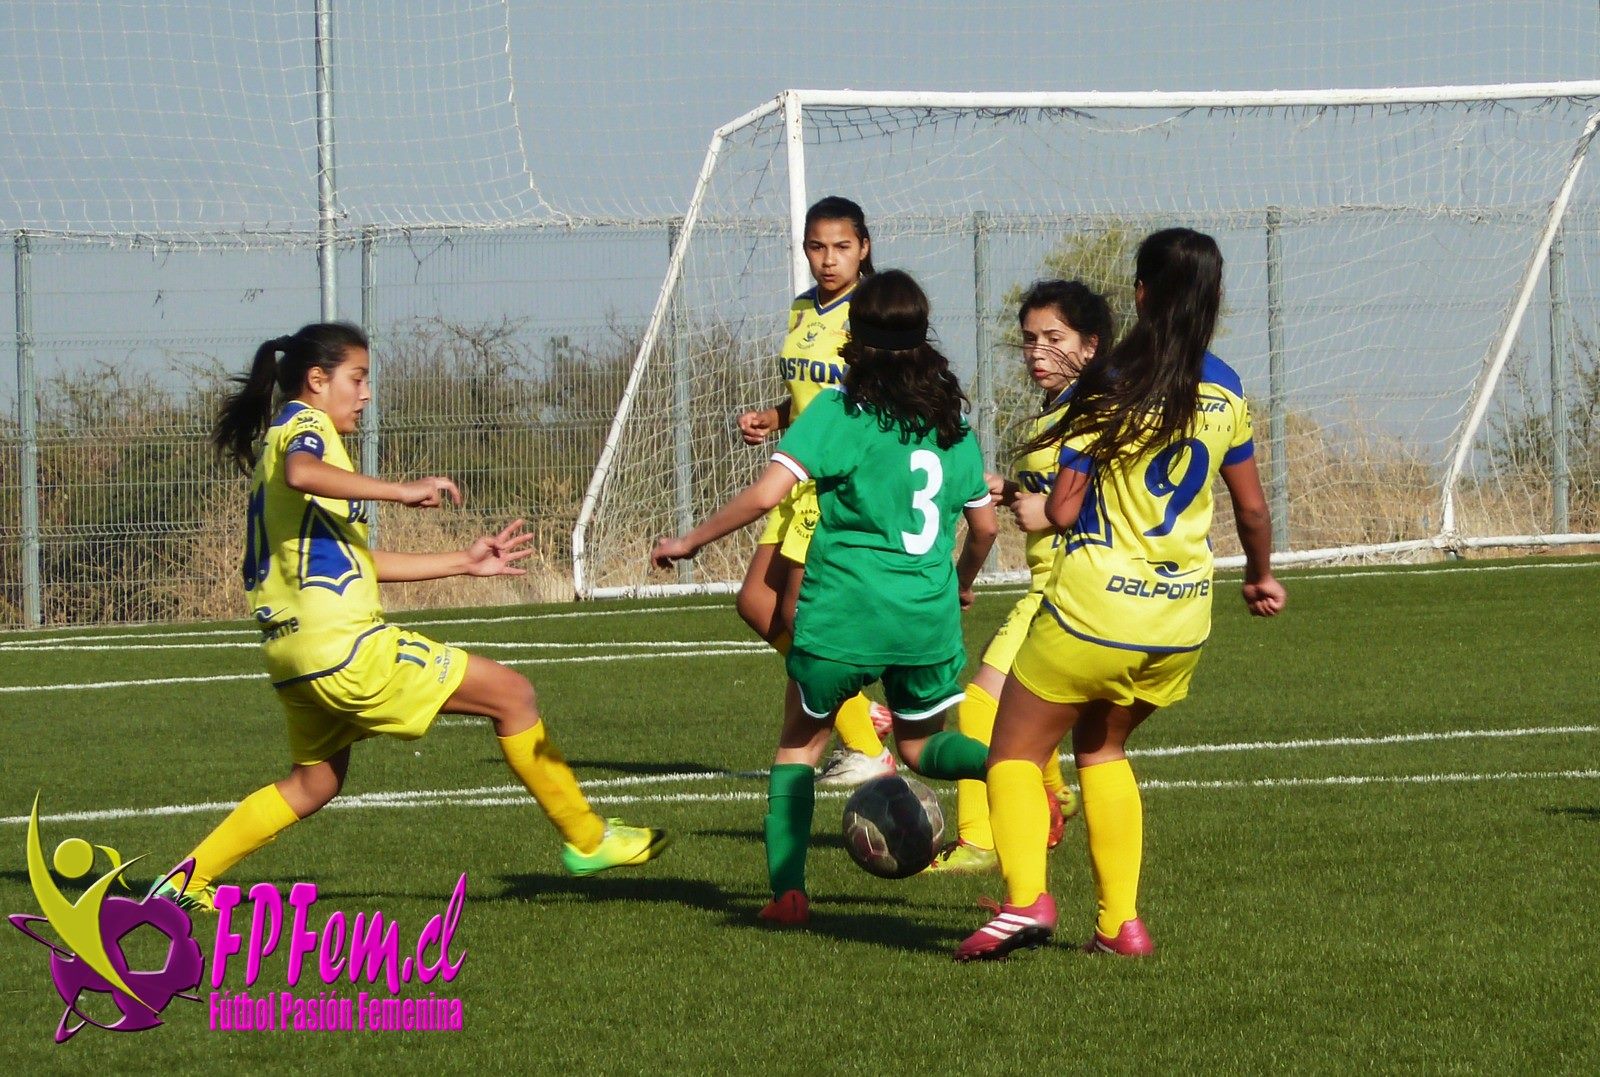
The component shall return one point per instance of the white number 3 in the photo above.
(920, 542)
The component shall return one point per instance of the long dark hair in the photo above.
(838, 208)
(1084, 310)
(891, 369)
(1144, 390)
(245, 413)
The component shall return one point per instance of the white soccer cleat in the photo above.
(848, 767)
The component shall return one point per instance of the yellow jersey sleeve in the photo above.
(809, 361)
(1035, 473)
(308, 571)
(1135, 570)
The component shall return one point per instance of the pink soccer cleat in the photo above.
(1132, 941)
(1014, 927)
(882, 719)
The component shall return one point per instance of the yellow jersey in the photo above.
(1135, 570)
(1035, 473)
(809, 361)
(308, 572)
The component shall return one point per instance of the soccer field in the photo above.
(1373, 842)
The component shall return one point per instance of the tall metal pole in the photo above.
(1277, 387)
(28, 432)
(795, 155)
(327, 227)
(983, 341)
(682, 418)
(371, 414)
(1560, 342)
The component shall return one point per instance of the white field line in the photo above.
(476, 645)
(741, 649)
(421, 620)
(418, 620)
(600, 791)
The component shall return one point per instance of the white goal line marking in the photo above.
(599, 790)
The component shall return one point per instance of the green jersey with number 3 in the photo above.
(880, 582)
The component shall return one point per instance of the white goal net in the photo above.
(1415, 358)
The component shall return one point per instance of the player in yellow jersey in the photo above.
(1147, 429)
(341, 673)
(1063, 324)
(838, 249)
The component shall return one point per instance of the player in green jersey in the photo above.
(896, 468)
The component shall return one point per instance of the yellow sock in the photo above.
(854, 726)
(975, 718)
(256, 821)
(1114, 817)
(538, 764)
(1054, 780)
(1021, 822)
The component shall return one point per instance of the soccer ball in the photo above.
(892, 826)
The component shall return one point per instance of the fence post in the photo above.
(1560, 341)
(1277, 387)
(983, 404)
(371, 415)
(682, 418)
(28, 433)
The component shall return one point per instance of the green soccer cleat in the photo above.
(623, 846)
(960, 858)
(201, 899)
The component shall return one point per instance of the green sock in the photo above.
(791, 797)
(952, 756)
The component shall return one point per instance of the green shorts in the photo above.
(912, 692)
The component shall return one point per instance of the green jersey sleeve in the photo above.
(820, 443)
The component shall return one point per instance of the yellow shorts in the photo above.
(791, 525)
(1055, 665)
(1002, 649)
(394, 683)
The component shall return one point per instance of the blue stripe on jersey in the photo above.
(289, 411)
(811, 294)
(413, 659)
(1145, 647)
(1239, 453)
(1073, 460)
(307, 443)
(1217, 372)
(335, 668)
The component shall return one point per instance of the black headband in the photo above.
(889, 340)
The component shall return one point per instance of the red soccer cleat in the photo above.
(882, 719)
(1132, 941)
(1013, 928)
(789, 909)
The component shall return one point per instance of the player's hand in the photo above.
(997, 486)
(496, 555)
(429, 492)
(1028, 511)
(966, 596)
(755, 426)
(1265, 597)
(668, 550)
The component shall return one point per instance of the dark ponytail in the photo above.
(837, 208)
(245, 414)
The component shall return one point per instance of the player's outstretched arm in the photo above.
(982, 527)
(1253, 520)
(489, 555)
(746, 507)
(304, 472)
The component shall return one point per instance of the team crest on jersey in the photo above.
(326, 557)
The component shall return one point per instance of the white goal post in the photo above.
(1412, 296)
